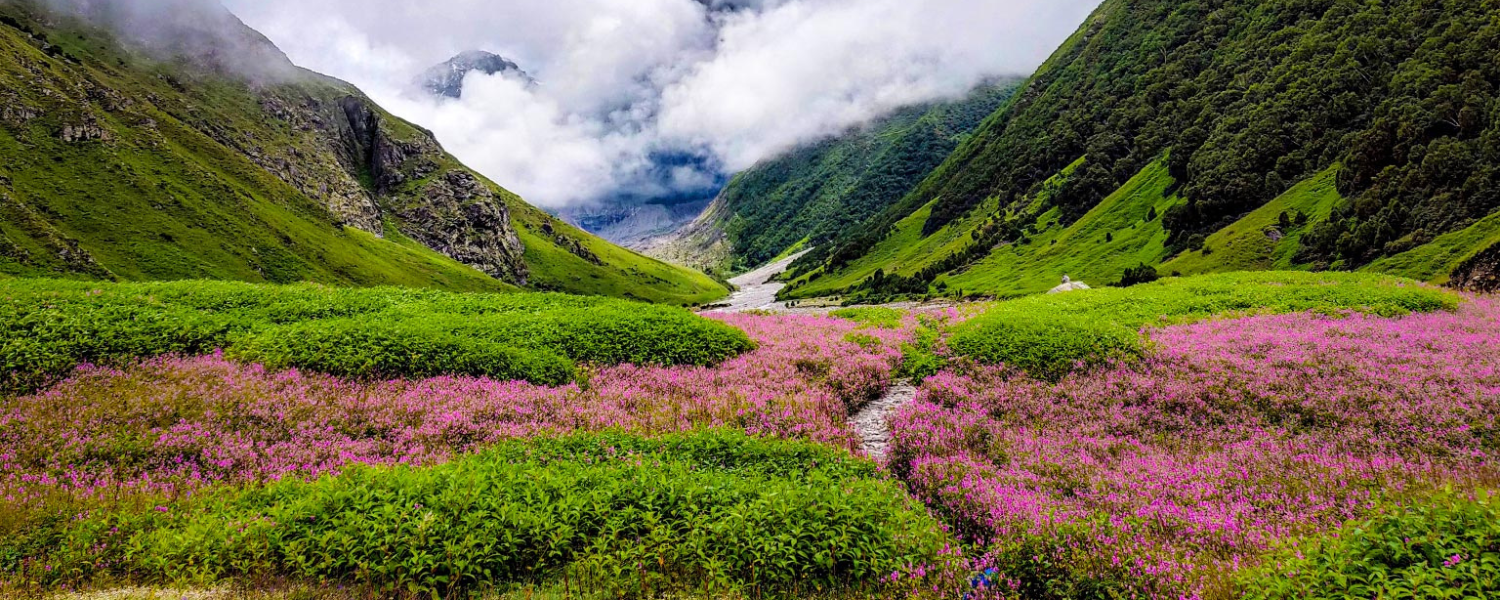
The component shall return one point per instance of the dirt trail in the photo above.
(870, 421)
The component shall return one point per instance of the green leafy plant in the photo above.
(50, 326)
(1443, 547)
(604, 514)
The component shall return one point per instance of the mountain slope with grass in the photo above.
(807, 196)
(1389, 111)
(188, 147)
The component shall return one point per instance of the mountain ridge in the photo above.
(124, 162)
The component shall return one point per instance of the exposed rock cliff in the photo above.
(1480, 273)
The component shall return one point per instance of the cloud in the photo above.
(660, 97)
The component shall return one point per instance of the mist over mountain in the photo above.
(728, 83)
(201, 32)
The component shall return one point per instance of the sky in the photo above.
(715, 86)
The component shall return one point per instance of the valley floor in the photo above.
(1248, 413)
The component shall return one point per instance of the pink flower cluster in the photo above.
(173, 425)
(1172, 472)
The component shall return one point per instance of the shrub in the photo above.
(1048, 347)
(48, 327)
(1053, 334)
(354, 348)
(879, 316)
(1446, 547)
(607, 513)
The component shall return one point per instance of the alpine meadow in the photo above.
(750, 300)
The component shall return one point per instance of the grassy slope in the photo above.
(161, 200)
(1246, 245)
(1080, 250)
(167, 202)
(905, 251)
(1436, 260)
(623, 274)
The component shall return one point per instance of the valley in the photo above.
(262, 338)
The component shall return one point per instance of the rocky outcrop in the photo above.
(460, 216)
(347, 155)
(1480, 273)
(84, 130)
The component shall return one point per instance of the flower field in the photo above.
(1166, 475)
(1261, 437)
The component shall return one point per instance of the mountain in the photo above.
(188, 146)
(807, 196)
(447, 79)
(1176, 134)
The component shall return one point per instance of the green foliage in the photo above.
(1437, 260)
(1261, 241)
(1046, 344)
(1049, 336)
(373, 348)
(879, 316)
(49, 326)
(609, 514)
(1444, 547)
(1139, 275)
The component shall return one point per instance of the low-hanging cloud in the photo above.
(622, 84)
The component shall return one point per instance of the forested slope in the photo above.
(1242, 101)
(808, 196)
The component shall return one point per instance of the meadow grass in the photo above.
(1051, 335)
(50, 326)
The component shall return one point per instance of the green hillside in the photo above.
(813, 193)
(1264, 240)
(1384, 116)
(1436, 260)
(121, 162)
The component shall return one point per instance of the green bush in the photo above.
(1045, 346)
(47, 327)
(355, 348)
(1051, 335)
(1447, 547)
(611, 514)
(879, 316)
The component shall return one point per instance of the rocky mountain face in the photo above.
(1480, 273)
(633, 225)
(447, 79)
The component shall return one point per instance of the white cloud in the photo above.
(622, 81)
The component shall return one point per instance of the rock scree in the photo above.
(756, 291)
(870, 421)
